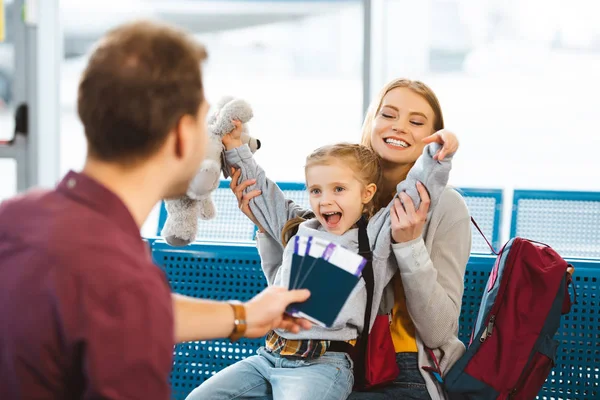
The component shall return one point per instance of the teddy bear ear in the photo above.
(254, 144)
(222, 101)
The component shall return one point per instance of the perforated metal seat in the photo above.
(567, 221)
(217, 272)
(577, 371)
(485, 206)
(225, 271)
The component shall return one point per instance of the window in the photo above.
(517, 80)
(8, 170)
(8, 183)
(7, 70)
(299, 64)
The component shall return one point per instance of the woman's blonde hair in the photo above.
(363, 161)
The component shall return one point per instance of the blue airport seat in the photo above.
(222, 271)
(485, 206)
(476, 277)
(210, 271)
(567, 221)
(295, 191)
(229, 225)
(577, 371)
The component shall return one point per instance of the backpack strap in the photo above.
(484, 238)
(364, 249)
(436, 371)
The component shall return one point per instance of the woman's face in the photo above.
(403, 120)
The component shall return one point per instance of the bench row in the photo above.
(222, 271)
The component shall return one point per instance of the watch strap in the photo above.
(239, 320)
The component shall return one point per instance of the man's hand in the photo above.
(265, 311)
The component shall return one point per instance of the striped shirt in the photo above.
(307, 348)
(303, 348)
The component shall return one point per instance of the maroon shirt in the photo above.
(84, 313)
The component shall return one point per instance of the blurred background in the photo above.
(518, 80)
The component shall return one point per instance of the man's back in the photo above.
(83, 312)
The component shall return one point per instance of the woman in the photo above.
(431, 251)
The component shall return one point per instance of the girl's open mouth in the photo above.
(332, 218)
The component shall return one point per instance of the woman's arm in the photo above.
(434, 282)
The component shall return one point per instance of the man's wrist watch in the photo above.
(239, 320)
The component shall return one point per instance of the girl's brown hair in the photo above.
(365, 163)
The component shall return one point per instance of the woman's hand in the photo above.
(447, 139)
(408, 223)
(244, 198)
(233, 139)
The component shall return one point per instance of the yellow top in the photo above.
(402, 327)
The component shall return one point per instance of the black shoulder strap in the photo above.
(484, 237)
(364, 249)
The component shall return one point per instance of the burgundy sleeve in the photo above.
(129, 343)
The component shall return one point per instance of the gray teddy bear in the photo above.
(181, 225)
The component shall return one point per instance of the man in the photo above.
(84, 314)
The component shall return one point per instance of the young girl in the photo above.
(429, 251)
(342, 182)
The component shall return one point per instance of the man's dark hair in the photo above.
(140, 80)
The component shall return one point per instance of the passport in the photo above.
(329, 271)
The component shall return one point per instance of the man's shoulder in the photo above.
(25, 201)
(23, 212)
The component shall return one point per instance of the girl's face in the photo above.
(336, 196)
(404, 119)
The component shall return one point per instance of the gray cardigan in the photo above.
(432, 267)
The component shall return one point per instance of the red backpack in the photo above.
(512, 348)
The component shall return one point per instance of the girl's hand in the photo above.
(408, 223)
(447, 139)
(234, 138)
(244, 198)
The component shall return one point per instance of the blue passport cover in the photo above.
(329, 286)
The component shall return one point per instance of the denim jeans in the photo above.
(270, 376)
(409, 384)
